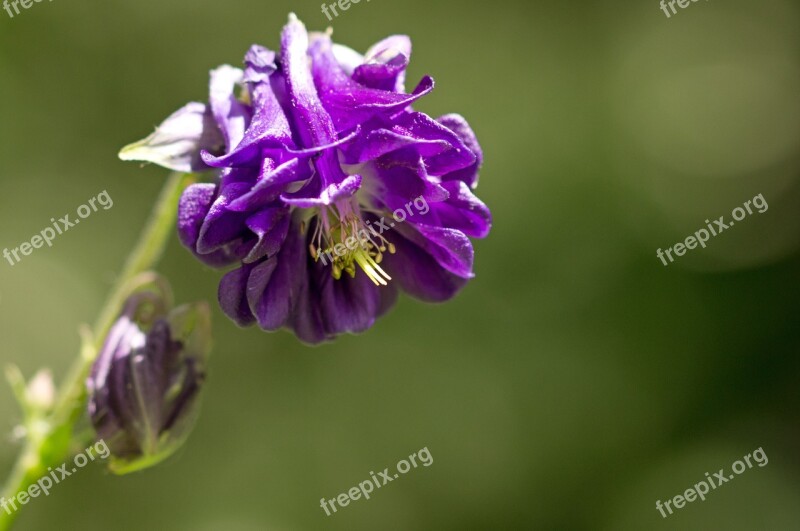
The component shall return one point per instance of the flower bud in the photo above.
(41, 391)
(144, 384)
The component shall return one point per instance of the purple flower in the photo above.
(331, 192)
(144, 384)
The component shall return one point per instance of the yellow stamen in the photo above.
(333, 243)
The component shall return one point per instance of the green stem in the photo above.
(44, 434)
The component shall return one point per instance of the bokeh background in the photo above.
(576, 381)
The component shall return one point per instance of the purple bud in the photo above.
(144, 385)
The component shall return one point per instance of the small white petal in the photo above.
(177, 142)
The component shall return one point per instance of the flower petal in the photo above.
(348, 305)
(460, 127)
(348, 58)
(176, 143)
(420, 125)
(224, 227)
(275, 284)
(385, 64)
(306, 321)
(311, 197)
(232, 116)
(402, 177)
(378, 142)
(451, 249)
(193, 208)
(348, 102)
(269, 128)
(260, 64)
(232, 295)
(419, 274)
(270, 227)
(271, 183)
(311, 120)
(462, 211)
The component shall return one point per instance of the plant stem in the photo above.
(49, 439)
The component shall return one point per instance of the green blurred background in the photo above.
(573, 383)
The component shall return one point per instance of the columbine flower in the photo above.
(144, 385)
(313, 146)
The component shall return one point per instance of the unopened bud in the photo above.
(41, 391)
(145, 382)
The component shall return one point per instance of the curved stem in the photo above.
(48, 439)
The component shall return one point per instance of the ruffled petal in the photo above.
(379, 142)
(271, 183)
(306, 320)
(442, 151)
(270, 227)
(311, 120)
(223, 226)
(311, 196)
(456, 157)
(269, 129)
(460, 127)
(419, 274)
(402, 177)
(348, 305)
(232, 295)
(259, 64)
(348, 58)
(193, 208)
(462, 211)
(450, 248)
(349, 102)
(232, 116)
(275, 285)
(385, 64)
